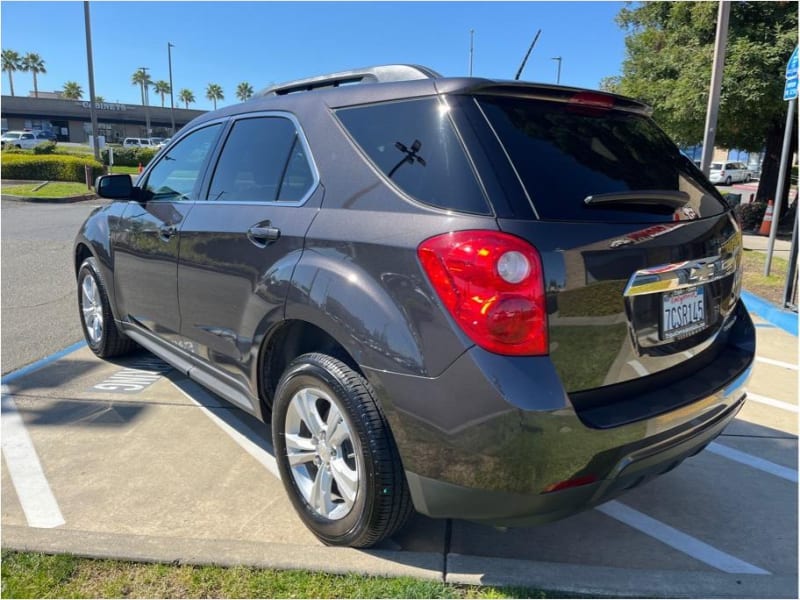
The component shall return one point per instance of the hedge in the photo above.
(48, 167)
(751, 215)
(129, 157)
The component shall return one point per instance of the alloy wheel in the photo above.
(92, 308)
(323, 453)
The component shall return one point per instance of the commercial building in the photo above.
(71, 122)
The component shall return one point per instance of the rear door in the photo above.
(240, 244)
(640, 251)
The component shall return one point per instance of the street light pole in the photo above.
(558, 74)
(92, 111)
(720, 46)
(170, 46)
(471, 36)
(145, 99)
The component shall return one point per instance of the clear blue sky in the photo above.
(266, 42)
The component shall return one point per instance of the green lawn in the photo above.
(32, 575)
(753, 279)
(52, 189)
(116, 170)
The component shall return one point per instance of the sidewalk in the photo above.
(760, 242)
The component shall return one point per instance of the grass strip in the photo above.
(34, 575)
(51, 189)
(753, 279)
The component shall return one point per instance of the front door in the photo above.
(146, 249)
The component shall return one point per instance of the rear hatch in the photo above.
(641, 253)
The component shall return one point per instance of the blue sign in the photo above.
(790, 90)
(791, 66)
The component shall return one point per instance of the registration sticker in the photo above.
(683, 312)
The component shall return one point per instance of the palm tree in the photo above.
(72, 91)
(186, 96)
(33, 62)
(214, 93)
(11, 63)
(161, 87)
(141, 78)
(99, 99)
(244, 91)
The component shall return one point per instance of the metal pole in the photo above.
(720, 46)
(558, 75)
(787, 142)
(471, 35)
(92, 111)
(145, 98)
(790, 289)
(171, 93)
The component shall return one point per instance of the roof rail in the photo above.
(376, 74)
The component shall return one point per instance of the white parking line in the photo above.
(772, 402)
(776, 363)
(753, 461)
(639, 368)
(679, 540)
(34, 493)
(262, 456)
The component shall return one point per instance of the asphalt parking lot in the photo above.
(130, 459)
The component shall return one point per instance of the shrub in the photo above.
(129, 157)
(45, 148)
(751, 215)
(48, 167)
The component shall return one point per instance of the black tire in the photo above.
(728, 180)
(110, 341)
(382, 503)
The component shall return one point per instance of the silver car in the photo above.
(729, 172)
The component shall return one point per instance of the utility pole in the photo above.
(558, 75)
(720, 46)
(145, 100)
(92, 111)
(170, 46)
(471, 47)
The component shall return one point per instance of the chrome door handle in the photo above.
(261, 235)
(166, 232)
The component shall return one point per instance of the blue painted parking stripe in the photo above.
(42, 362)
(677, 539)
(784, 319)
(765, 325)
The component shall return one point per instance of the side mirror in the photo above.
(115, 187)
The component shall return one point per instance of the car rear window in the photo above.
(564, 153)
(414, 144)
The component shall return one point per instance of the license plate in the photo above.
(683, 312)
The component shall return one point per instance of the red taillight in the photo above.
(570, 483)
(592, 99)
(492, 284)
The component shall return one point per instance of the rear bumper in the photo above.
(491, 437)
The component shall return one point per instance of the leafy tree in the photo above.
(186, 96)
(72, 91)
(244, 91)
(11, 63)
(161, 87)
(33, 63)
(99, 99)
(669, 52)
(142, 78)
(214, 93)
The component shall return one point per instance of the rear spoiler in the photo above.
(557, 93)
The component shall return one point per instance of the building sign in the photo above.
(102, 106)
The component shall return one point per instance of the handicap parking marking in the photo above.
(679, 540)
(753, 461)
(33, 490)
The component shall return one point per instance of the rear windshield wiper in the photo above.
(666, 198)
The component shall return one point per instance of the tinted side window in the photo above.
(262, 161)
(177, 172)
(414, 144)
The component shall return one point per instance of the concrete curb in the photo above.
(785, 319)
(465, 570)
(615, 582)
(64, 200)
(226, 553)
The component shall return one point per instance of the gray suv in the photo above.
(487, 300)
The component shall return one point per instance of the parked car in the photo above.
(728, 173)
(19, 139)
(137, 143)
(46, 136)
(383, 273)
